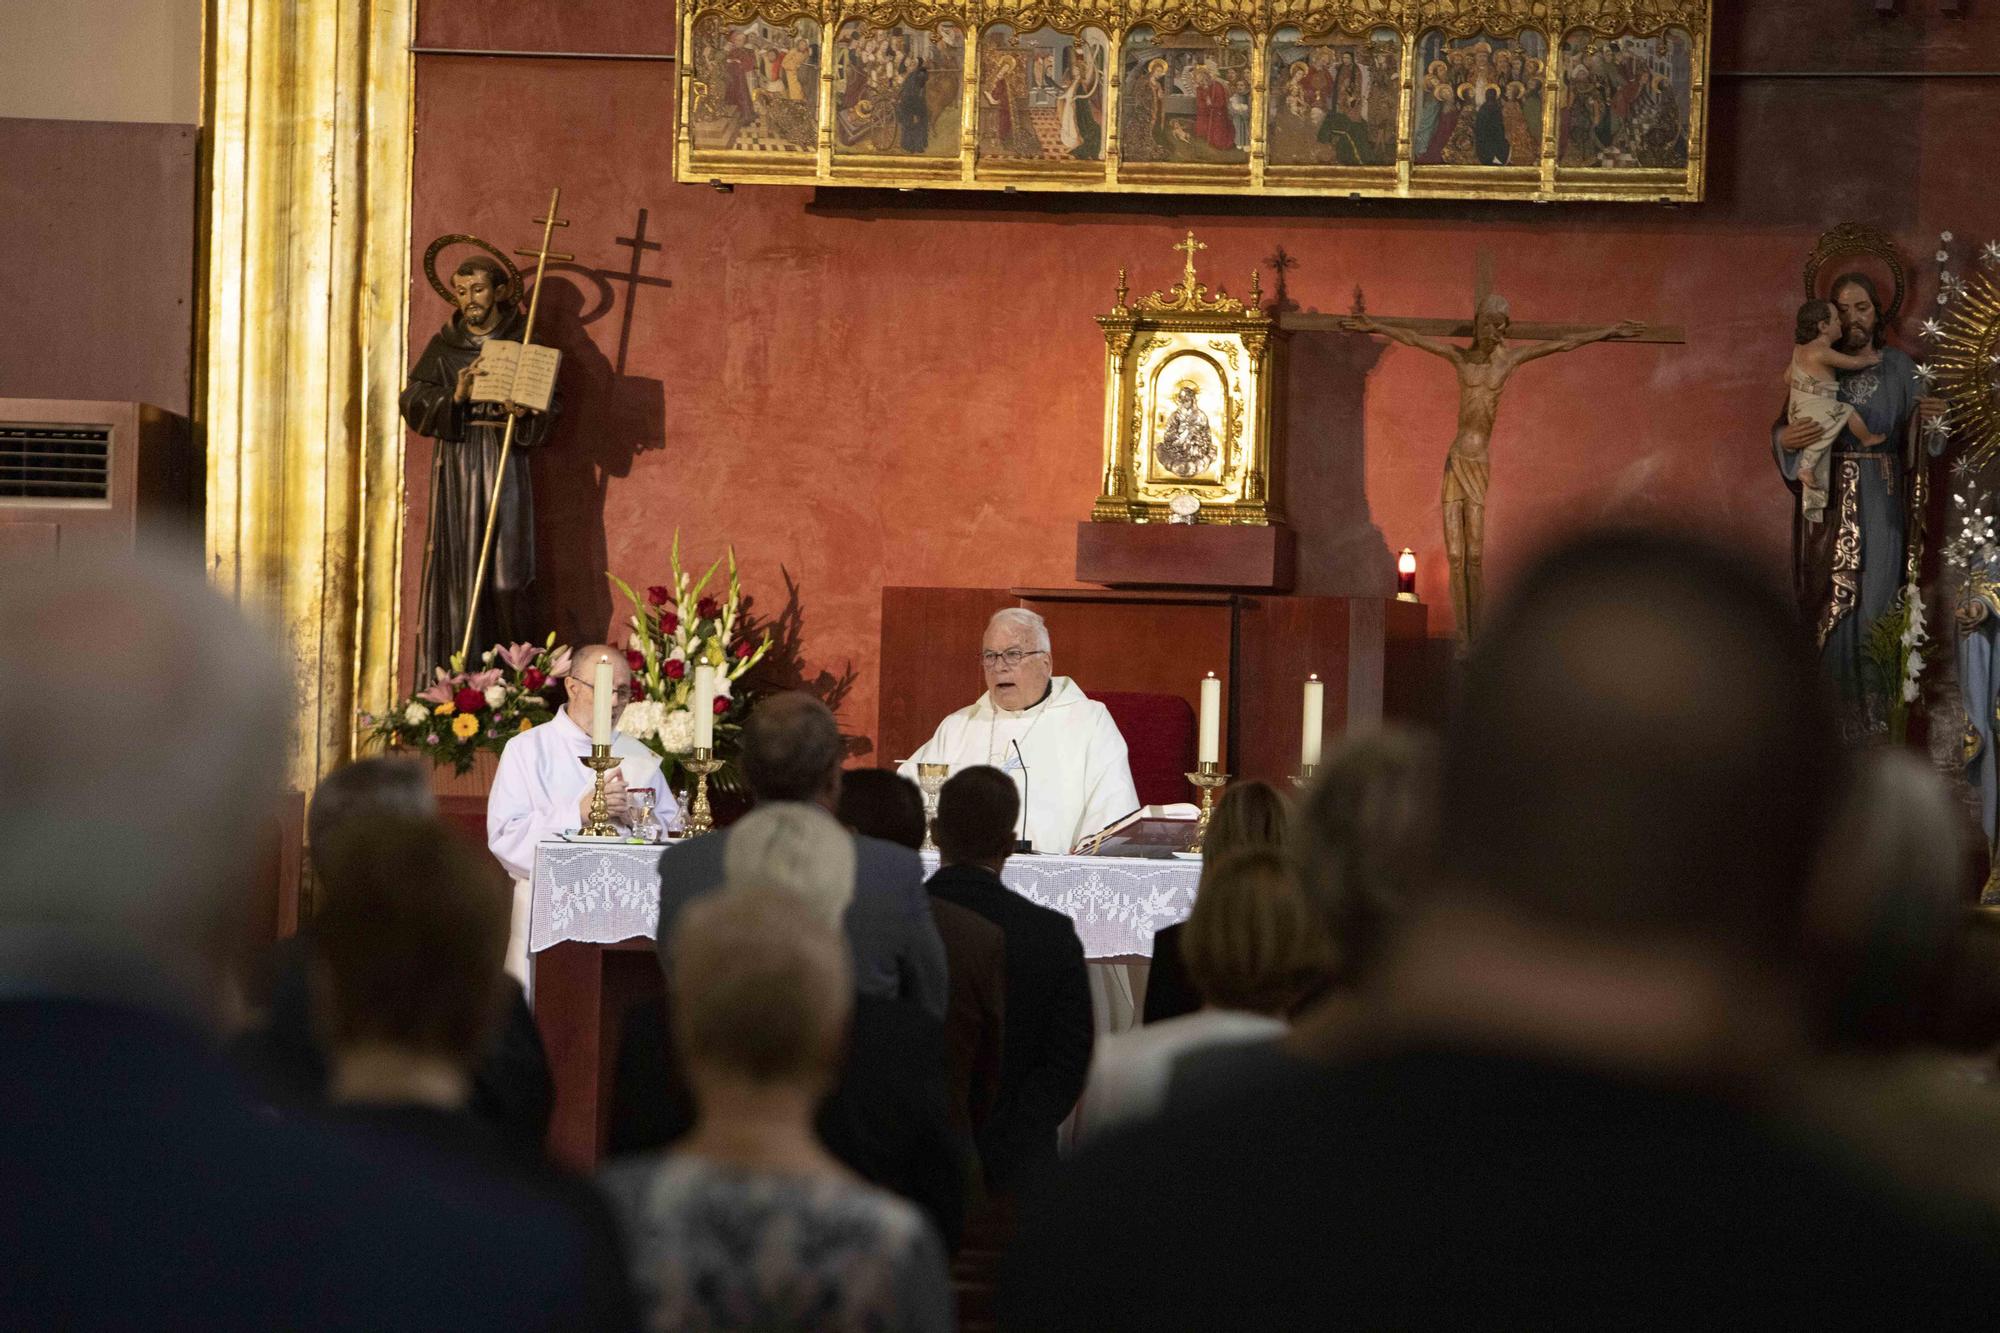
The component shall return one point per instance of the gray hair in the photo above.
(1020, 618)
(142, 723)
(791, 748)
(794, 848)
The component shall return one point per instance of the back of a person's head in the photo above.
(1254, 940)
(976, 815)
(1887, 904)
(791, 748)
(1251, 814)
(797, 848)
(374, 786)
(761, 988)
(413, 933)
(880, 803)
(142, 728)
(1369, 836)
(1643, 746)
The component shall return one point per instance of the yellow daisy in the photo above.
(465, 726)
(445, 709)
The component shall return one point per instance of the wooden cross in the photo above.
(634, 280)
(1462, 327)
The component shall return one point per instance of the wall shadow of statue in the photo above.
(609, 419)
(784, 666)
(1341, 551)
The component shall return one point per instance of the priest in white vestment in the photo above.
(542, 789)
(1061, 747)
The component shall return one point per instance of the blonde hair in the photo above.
(1250, 816)
(761, 985)
(1254, 941)
(795, 847)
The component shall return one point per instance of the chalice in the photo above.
(930, 779)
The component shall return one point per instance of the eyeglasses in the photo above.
(1013, 657)
(617, 692)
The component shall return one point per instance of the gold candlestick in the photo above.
(1211, 779)
(700, 818)
(601, 761)
(1304, 777)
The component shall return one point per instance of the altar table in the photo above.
(596, 907)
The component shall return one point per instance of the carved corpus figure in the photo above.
(1187, 446)
(1483, 369)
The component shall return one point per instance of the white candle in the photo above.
(704, 707)
(1211, 721)
(1315, 721)
(600, 703)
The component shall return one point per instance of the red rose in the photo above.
(659, 594)
(468, 700)
(721, 705)
(635, 659)
(638, 690)
(669, 622)
(675, 670)
(708, 608)
(533, 679)
(742, 651)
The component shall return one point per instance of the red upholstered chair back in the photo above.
(1159, 731)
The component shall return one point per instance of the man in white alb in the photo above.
(1061, 747)
(542, 789)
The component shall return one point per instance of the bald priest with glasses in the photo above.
(1061, 747)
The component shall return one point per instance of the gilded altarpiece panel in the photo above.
(1384, 98)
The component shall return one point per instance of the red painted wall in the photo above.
(860, 389)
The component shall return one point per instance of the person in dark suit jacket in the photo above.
(1048, 1038)
(283, 1054)
(791, 752)
(141, 1187)
(880, 803)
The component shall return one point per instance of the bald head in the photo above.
(142, 725)
(1644, 744)
(582, 678)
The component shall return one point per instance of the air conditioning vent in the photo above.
(55, 463)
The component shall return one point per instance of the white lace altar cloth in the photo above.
(604, 893)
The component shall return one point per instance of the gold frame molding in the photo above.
(1264, 21)
(305, 273)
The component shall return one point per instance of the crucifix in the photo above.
(1483, 370)
(542, 256)
(633, 280)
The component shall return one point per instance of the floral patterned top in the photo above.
(717, 1247)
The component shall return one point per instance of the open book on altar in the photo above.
(520, 373)
(1151, 830)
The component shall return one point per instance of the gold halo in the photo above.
(1851, 240)
(460, 238)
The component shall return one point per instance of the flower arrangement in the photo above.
(463, 712)
(1893, 652)
(675, 627)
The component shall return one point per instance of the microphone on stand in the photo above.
(1021, 843)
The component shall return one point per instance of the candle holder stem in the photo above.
(600, 761)
(1210, 778)
(701, 819)
(1305, 776)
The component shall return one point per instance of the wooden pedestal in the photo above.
(1185, 555)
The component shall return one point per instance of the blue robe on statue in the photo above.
(1979, 685)
(1847, 570)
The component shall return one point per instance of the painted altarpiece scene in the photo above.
(759, 86)
(1625, 101)
(897, 90)
(1185, 98)
(1479, 100)
(1442, 99)
(1334, 101)
(1042, 94)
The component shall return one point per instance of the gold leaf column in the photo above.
(305, 272)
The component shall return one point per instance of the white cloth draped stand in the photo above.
(601, 893)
